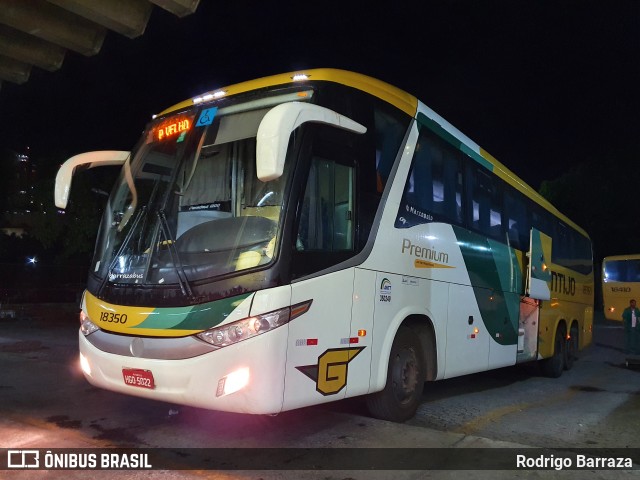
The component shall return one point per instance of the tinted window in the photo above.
(327, 214)
(433, 191)
(517, 221)
(485, 203)
(622, 271)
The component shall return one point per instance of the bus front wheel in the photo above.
(399, 399)
(553, 366)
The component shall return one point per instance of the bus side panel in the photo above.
(467, 337)
(365, 295)
(398, 297)
(571, 300)
(420, 262)
(504, 305)
(497, 280)
(503, 355)
(320, 358)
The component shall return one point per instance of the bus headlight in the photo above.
(252, 326)
(246, 328)
(87, 327)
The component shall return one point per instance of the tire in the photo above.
(571, 351)
(554, 366)
(399, 400)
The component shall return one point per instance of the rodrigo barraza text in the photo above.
(580, 461)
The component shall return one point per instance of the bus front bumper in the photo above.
(247, 377)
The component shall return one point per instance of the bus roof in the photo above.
(390, 94)
(399, 98)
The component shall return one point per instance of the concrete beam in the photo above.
(20, 46)
(13, 70)
(127, 17)
(180, 8)
(53, 24)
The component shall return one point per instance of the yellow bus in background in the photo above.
(620, 283)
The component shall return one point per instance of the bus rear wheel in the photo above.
(399, 400)
(554, 366)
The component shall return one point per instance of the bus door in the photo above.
(321, 352)
(537, 289)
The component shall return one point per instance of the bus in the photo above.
(620, 283)
(317, 235)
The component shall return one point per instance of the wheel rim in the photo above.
(405, 375)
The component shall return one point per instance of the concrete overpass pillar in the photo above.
(53, 24)
(127, 17)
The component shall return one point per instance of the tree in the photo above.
(68, 234)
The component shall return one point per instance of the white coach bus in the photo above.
(306, 237)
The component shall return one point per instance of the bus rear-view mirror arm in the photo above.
(88, 160)
(276, 127)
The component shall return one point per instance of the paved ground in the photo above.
(45, 403)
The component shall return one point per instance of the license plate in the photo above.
(136, 377)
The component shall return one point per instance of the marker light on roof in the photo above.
(300, 76)
(210, 96)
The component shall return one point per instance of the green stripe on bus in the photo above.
(488, 269)
(436, 128)
(199, 317)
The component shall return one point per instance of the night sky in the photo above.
(542, 85)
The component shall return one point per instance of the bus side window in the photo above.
(540, 219)
(634, 271)
(572, 250)
(486, 204)
(388, 136)
(517, 221)
(433, 191)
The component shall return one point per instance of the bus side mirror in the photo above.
(89, 160)
(276, 127)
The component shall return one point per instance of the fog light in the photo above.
(233, 382)
(84, 364)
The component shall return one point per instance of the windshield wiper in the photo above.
(173, 252)
(123, 245)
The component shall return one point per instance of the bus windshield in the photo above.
(622, 270)
(189, 206)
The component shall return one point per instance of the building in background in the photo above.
(17, 182)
